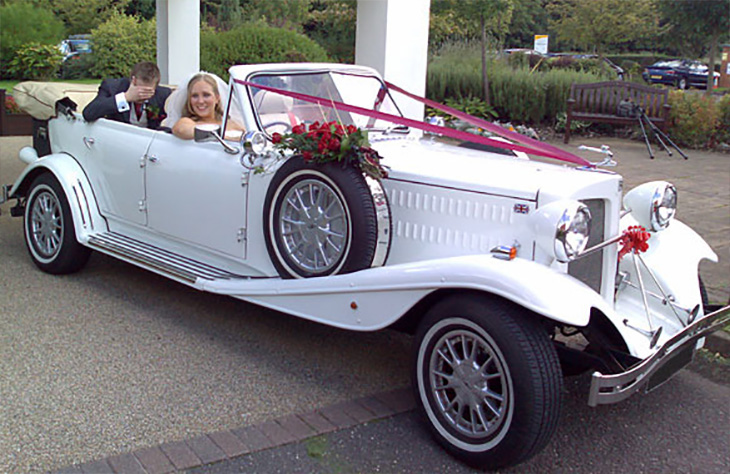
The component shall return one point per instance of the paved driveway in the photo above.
(114, 359)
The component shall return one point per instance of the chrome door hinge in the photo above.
(143, 161)
(244, 179)
(241, 235)
(143, 206)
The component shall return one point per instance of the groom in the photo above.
(137, 100)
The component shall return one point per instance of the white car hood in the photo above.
(431, 162)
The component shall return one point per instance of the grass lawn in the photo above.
(8, 84)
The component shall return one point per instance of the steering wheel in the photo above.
(287, 126)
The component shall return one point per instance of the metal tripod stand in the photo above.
(663, 139)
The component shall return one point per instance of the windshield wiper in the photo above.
(396, 129)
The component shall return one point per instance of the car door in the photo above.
(114, 160)
(196, 193)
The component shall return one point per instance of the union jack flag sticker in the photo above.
(521, 208)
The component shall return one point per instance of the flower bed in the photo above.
(12, 120)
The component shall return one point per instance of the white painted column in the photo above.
(392, 37)
(178, 39)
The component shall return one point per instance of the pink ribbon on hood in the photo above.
(528, 145)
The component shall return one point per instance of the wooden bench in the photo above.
(599, 102)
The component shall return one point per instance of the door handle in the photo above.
(89, 142)
(152, 158)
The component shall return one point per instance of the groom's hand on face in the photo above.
(139, 91)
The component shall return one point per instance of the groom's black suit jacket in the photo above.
(105, 104)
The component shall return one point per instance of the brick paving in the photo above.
(225, 445)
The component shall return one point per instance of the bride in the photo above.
(198, 101)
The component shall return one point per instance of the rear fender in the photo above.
(76, 186)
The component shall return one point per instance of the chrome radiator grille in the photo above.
(589, 269)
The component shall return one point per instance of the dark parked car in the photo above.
(681, 73)
(75, 45)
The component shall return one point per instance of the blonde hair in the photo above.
(189, 112)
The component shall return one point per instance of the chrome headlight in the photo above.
(254, 142)
(562, 229)
(653, 205)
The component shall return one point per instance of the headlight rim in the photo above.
(565, 227)
(657, 221)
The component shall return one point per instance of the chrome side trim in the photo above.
(156, 259)
(383, 218)
(617, 387)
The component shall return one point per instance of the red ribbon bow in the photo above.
(634, 239)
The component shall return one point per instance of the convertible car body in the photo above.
(506, 269)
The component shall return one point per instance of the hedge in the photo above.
(253, 44)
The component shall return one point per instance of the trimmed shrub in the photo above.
(77, 67)
(253, 44)
(723, 125)
(120, 43)
(22, 23)
(693, 118)
(35, 62)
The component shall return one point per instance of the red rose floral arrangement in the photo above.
(331, 141)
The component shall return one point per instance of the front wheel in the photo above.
(49, 230)
(682, 83)
(487, 380)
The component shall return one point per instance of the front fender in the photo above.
(76, 186)
(672, 265)
(377, 297)
(674, 255)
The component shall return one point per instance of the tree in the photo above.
(23, 23)
(82, 16)
(289, 14)
(490, 18)
(706, 22)
(146, 9)
(598, 25)
(229, 15)
(332, 24)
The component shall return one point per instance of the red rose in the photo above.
(334, 145)
(276, 137)
(307, 156)
(351, 129)
(314, 126)
(299, 129)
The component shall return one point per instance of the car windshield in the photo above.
(674, 63)
(277, 113)
(80, 46)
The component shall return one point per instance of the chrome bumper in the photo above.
(666, 361)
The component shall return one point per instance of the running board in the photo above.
(156, 259)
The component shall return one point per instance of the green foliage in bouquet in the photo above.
(331, 141)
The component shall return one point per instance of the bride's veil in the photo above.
(175, 104)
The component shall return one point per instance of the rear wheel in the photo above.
(682, 83)
(487, 380)
(49, 229)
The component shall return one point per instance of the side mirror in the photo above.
(209, 132)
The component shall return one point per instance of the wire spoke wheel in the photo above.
(487, 379)
(314, 225)
(46, 221)
(468, 383)
(49, 228)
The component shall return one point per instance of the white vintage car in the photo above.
(507, 269)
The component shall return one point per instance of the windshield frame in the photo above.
(387, 97)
